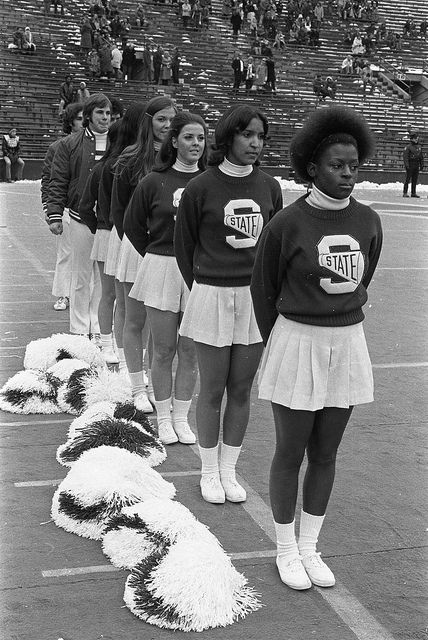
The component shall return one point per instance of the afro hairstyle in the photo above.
(327, 126)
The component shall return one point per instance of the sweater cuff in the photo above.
(54, 217)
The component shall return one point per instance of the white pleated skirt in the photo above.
(128, 263)
(159, 284)
(100, 246)
(220, 316)
(309, 367)
(112, 259)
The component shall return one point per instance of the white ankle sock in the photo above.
(209, 459)
(149, 381)
(137, 384)
(106, 340)
(163, 410)
(309, 529)
(228, 459)
(122, 360)
(180, 409)
(286, 544)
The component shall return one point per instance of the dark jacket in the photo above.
(413, 156)
(71, 165)
(46, 172)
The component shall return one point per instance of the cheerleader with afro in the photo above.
(314, 262)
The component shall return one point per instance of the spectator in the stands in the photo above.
(279, 42)
(67, 93)
(270, 74)
(12, 155)
(140, 16)
(250, 74)
(128, 61)
(117, 108)
(46, 7)
(318, 86)
(104, 52)
(330, 87)
(116, 61)
(367, 78)
(319, 11)
(197, 14)
(148, 63)
(261, 74)
(28, 42)
(236, 21)
(166, 72)
(61, 4)
(238, 71)
(175, 63)
(94, 63)
(17, 39)
(347, 66)
(82, 93)
(423, 28)
(205, 17)
(157, 64)
(186, 12)
(85, 35)
(358, 48)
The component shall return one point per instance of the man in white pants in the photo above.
(72, 163)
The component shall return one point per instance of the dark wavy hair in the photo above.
(235, 120)
(95, 101)
(167, 154)
(139, 158)
(327, 126)
(128, 130)
(71, 112)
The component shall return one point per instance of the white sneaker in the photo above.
(318, 571)
(150, 394)
(109, 356)
(61, 304)
(166, 433)
(292, 572)
(184, 433)
(233, 490)
(142, 403)
(212, 489)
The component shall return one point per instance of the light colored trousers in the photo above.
(85, 291)
(62, 279)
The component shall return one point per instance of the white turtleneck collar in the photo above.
(320, 200)
(235, 170)
(185, 168)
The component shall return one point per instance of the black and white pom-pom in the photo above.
(65, 368)
(114, 433)
(99, 484)
(72, 393)
(108, 409)
(189, 586)
(128, 411)
(45, 352)
(29, 392)
(132, 535)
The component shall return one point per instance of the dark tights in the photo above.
(319, 434)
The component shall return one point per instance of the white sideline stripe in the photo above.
(109, 568)
(34, 321)
(56, 481)
(30, 423)
(401, 215)
(356, 617)
(402, 269)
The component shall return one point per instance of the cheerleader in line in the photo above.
(314, 263)
(220, 218)
(149, 225)
(133, 164)
(93, 211)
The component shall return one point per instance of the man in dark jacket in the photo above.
(413, 162)
(238, 72)
(72, 163)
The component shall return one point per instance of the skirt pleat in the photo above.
(307, 367)
(129, 261)
(100, 246)
(112, 259)
(159, 284)
(220, 316)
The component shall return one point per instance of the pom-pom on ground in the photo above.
(30, 392)
(45, 352)
(115, 433)
(99, 484)
(189, 586)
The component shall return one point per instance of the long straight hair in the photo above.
(139, 158)
(167, 154)
(128, 130)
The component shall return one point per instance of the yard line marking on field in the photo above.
(34, 321)
(400, 215)
(400, 365)
(109, 568)
(402, 268)
(30, 423)
(56, 481)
